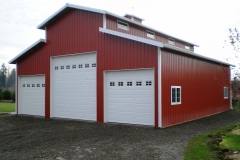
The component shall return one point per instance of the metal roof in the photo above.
(69, 6)
(28, 50)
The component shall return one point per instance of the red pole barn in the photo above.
(95, 65)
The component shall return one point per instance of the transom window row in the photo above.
(33, 85)
(130, 83)
(74, 66)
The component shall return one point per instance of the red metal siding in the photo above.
(78, 31)
(118, 54)
(75, 32)
(141, 32)
(202, 88)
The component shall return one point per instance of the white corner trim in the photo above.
(131, 37)
(104, 21)
(194, 54)
(159, 89)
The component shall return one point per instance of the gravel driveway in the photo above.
(36, 138)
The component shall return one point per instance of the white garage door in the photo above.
(129, 96)
(73, 84)
(31, 95)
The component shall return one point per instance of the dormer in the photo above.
(134, 18)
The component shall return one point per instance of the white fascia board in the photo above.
(194, 54)
(131, 37)
(42, 25)
(26, 50)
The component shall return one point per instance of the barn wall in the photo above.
(78, 31)
(74, 32)
(122, 54)
(141, 32)
(202, 87)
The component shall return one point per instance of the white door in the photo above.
(129, 96)
(73, 86)
(31, 95)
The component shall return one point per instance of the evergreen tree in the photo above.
(3, 76)
(11, 79)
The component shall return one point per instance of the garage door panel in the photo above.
(31, 95)
(130, 96)
(74, 88)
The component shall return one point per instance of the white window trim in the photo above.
(119, 25)
(171, 40)
(187, 47)
(225, 97)
(176, 103)
(150, 34)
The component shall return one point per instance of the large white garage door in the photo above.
(31, 95)
(73, 86)
(129, 96)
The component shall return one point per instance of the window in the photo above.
(23, 85)
(73, 66)
(187, 46)
(68, 67)
(225, 92)
(138, 83)
(93, 64)
(148, 83)
(56, 68)
(175, 95)
(38, 85)
(122, 25)
(43, 85)
(33, 85)
(80, 66)
(112, 84)
(150, 34)
(28, 85)
(120, 83)
(86, 65)
(171, 41)
(129, 83)
(62, 67)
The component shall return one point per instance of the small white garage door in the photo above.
(129, 96)
(31, 95)
(73, 86)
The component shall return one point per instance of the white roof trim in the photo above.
(42, 25)
(131, 37)
(131, 15)
(194, 54)
(26, 50)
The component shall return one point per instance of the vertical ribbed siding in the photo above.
(123, 54)
(141, 32)
(202, 94)
(77, 31)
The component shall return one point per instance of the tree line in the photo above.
(7, 83)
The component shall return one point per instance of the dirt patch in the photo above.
(48, 139)
(235, 155)
(237, 131)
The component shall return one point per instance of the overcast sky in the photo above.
(202, 22)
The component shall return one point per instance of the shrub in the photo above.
(13, 96)
(6, 94)
(1, 94)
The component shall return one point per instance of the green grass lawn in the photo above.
(206, 145)
(7, 107)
